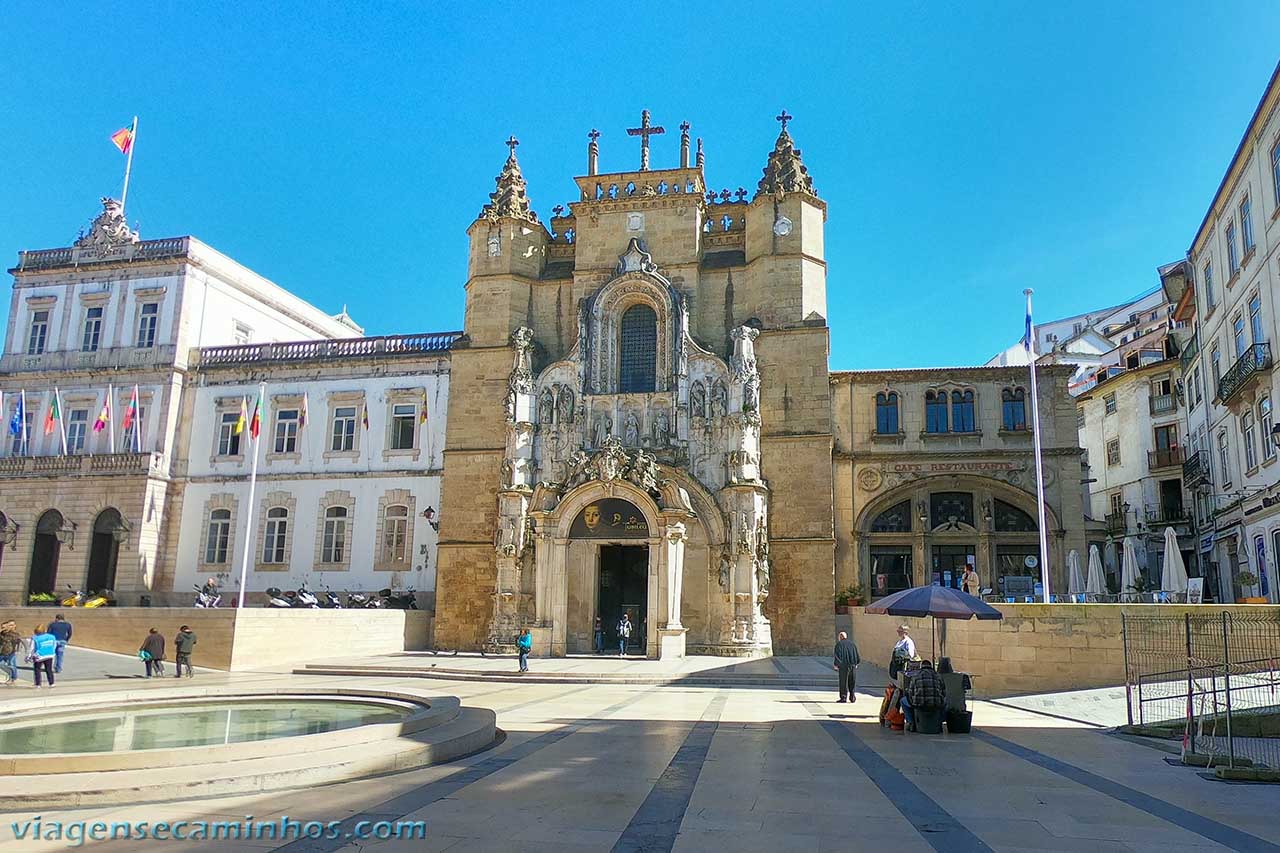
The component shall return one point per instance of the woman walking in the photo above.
(44, 648)
(10, 644)
(152, 652)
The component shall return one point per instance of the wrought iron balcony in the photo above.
(1195, 470)
(1167, 457)
(1163, 404)
(1253, 361)
(386, 345)
(1164, 516)
(1116, 523)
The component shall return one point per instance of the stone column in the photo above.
(671, 637)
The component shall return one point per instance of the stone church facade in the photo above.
(641, 416)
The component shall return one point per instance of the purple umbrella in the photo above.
(940, 602)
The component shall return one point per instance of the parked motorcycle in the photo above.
(331, 600)
(305, 598)
(277, 599)
(204, 599)
(361, 600)
(82, 599)
(406, 600)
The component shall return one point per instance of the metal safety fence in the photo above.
(1214, 679)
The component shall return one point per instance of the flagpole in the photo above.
(253, 483)
(62, 420)
(128, 164)
(1035, 435)
(26, 446)
(111, 419)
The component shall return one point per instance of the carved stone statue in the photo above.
(719, 400)
(506, 538)
(744, 352)
(661, 429)
(644, 471)
(726, 568)
(604, 428)
(566, 405)
(546, 407)
(610, 461)
(632, 434)
(698, 400)
(762, 557)
(577, 473)
(109, 229)
(744, 535)
(751, 393)
(508, 474)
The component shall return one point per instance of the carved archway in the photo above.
(638, 283)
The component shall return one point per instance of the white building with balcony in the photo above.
(89, 324)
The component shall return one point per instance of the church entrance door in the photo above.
(623, 587)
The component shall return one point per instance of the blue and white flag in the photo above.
(19, 417)
(1027, 340)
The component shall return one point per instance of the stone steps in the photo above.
(777, 681)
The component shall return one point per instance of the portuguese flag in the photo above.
(53, 414)
(255, 425)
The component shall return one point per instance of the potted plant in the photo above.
(1248, 580)
(848, 598)
(41, 599)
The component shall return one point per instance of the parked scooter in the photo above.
(406, 600)
(277, 599)
(204, 599)
(360, 600)
(331, 600)
(305, 598)
(82, 599)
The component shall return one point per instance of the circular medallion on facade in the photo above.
(870, 479)
(782, 227)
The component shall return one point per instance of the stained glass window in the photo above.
(639, 350)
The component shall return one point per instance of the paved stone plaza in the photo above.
(637, 767)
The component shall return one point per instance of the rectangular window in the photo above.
(1224, 458)
(887, 413)
(273, 550)
(935, 411)
(1109, 404)
(131, 438)
(92, 329)
(1237, 334)
(1255, 319)
(1246, 436)
(77, 425)
(216, 542)
(148, 316)
(1113, 452)
(344, 429)
(17, 446)
(333, 546)
(403, 418)
(1014, 409)
(1208, 284)
(1233, 259)
(1215, 366)
(1275, 186)
(287, 431)
(39, 334)
(1197, 387)
(1246, 225)
(395, 534)
(228, 439)
(1117, 503)
(1265, 424)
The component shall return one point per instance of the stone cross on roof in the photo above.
(512, 142)
(644, 131)
(784, 117)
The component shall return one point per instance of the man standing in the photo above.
(183, 643)
(925, 692)
(599, 636)
(61, 629)
(624, 633)
(846, 664)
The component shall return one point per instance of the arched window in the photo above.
(935, 411)
(395, 534)
(273, 550)
(887, 413)
(1014, 409)
(333, 545)
(637, 366)
(218, 537)
(1010, 519)
(895, 519)
(962, 411)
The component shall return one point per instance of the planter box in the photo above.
(846, 609)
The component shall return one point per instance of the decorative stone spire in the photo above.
(700, 159)
(684, 145)
(593, 152)
(785, 172)
(108, 230)
(510, 199)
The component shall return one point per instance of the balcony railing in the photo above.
(1163, 404)
(1116, 523)
(1251, 362)
(1167, 515)
(102, 463)
(1190, 349)
(392, 345)
(1195, 469)
(143, 250)
(1167, 457)
(108, 358)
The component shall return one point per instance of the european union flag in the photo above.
(19, 417)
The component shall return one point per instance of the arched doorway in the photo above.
(44, 553)
(618, 532)
(104, 552)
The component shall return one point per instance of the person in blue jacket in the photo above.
(44, 648)
(525, 645)
(61, 629)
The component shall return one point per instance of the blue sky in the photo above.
(966, 150)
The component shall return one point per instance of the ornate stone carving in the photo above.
(521, 379)
(870, 479)
(785, 171)
(565, 402)
(661, 429)
(726, 568)
(744, 352)
(109, 230)
(610, 463)
(546, 407)
(510, 199)
(698, 400)
(635, 259)
(643, 471)
(742, 465)
(744, 543)
(762, 557)
(604, 430)
(719, 400)
(631, 434)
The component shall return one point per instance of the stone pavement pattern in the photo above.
(623, 767)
